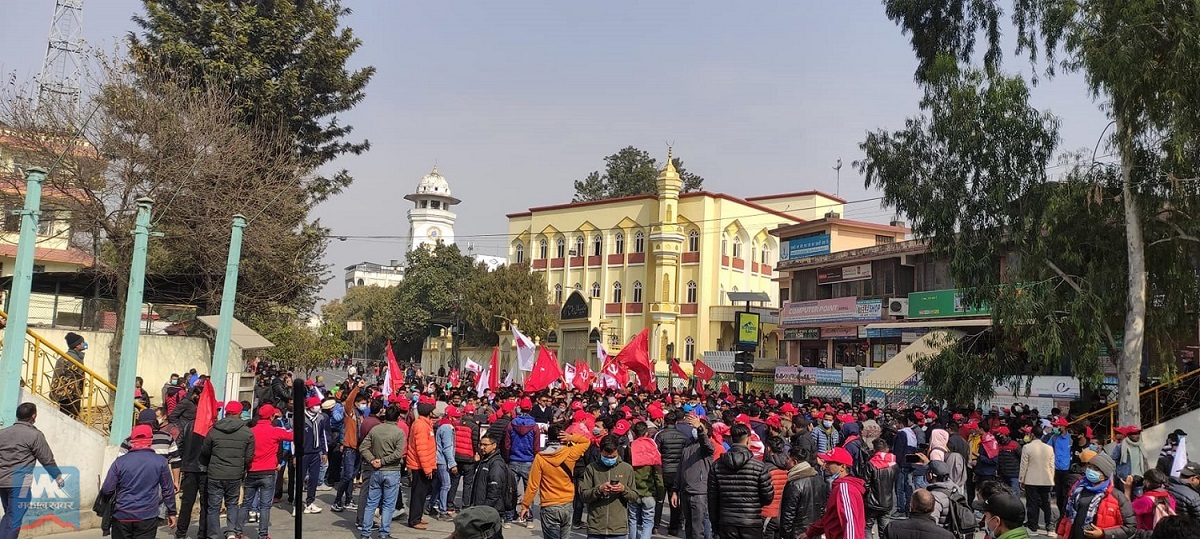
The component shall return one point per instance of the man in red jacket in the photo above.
(260, 481)
(844, 516)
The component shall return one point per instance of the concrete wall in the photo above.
(1154, 437)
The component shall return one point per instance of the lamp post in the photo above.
(858, 369)
(670, 366)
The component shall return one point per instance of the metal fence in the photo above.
(1159, 403)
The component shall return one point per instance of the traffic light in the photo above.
(743, 366)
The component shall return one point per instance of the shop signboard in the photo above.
(850, 375)
(787, 375)
(857, 272)
(823, 376)
(820, 311)
(805, 247)
(908, 336)
(941, 304)
(747, 326)
(801, 334)
(808, 376)
(885, 333)
(848, 332)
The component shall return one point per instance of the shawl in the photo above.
(644, 452)
(1073, 500)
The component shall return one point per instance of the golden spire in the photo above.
(670, 168)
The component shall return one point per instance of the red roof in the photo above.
(65, 256)
(798, 194)
(731, 198)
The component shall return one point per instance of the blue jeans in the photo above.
(1015, 484)
(641, 518)
(256, 494)
(227, 491)
(381, 494)
(14, 511)
(443, 486)
(345, 486)
(904, 490)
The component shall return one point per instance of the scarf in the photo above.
(1077, 491)
(1131, 453)
(644, 452)
(803, 469)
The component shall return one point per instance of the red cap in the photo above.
(233, 408)
(580, 415)
(930, 415)
(774, 421)
(656, 413)
(743, 419)
(508, 406)
(971, 426)
(621, 428)
(772, 402)
(141, 437)
(396, 399)
(838, 455)
(453, 411)
(1059, 422)
(526, 404)
(919, 415)
(1132, 429)
(426, 399)
(1027, 428)
(309, 382)
(1002, 430)
(957, 418)
(787, 408)
(308, 403)
(576, 405)
(266, 411)
(470, 408)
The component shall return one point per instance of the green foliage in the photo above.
(299, 347)
(378, 311)
(629, 172)
(513, 292)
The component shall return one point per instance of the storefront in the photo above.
(829, 333)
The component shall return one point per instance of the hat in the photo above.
(772, 403)
(508, 406)
(425, 409)
(576, 405)
(1059, 422)
(1119, 430)
(312, 401)
(1132, 429)
(743, 419)
(939, 468)
(452, 411)
(1191, 469)
(1004, 505)
(656, 413)
(621, 428)
(469, 409)
(957, 417)
(931, 415)
(147, 417)
(839, 456)
(309, 382)
(1002, 430)
(266, 411)
(787, 408)
(773, 421)
(919, 416)
(477, 522)
(141, 437)
(233, 408)
(580, 415)
(1086, 455)
(1104, 463)
(526, 404)
(73, 340)
(327, 404)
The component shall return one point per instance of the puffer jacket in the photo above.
(466, 440)
(738, 488)
(228, 449)
(671, 442)
(521, 440)
(777, 469)
(1008, 462)
(803, 500)
(1187, 500)
(422, 449)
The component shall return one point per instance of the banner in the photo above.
(941, 304)
(857, 272)
(850, 309)
(787, 375)
(804, 247)
(747, 324)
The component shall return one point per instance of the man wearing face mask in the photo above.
(671, 441)
(355, 409)
(316, 448)
(599, 431)
(67, 386)
(826, 436)
(844, 515)
(1060, 441)
(1002, 517)
(607, 488)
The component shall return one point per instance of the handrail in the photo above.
(1155, 390)
(103, 381)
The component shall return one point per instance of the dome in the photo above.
(434, 184)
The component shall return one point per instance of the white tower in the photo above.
(430, 219)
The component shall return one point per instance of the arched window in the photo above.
(639, 243)
(560, 249)
(579, 287)
(724, 246)
(616, 298)
(595, 290)
(691, 292)
(694, 241)
(543, 249)
(597, 245)
(558, 293)
(520, 253)
(578, 246)
(765, 256)
(619, 242)
(361, 282)
(689, 349)
(637, 291)
(737, 247)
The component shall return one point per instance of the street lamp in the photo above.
(859, 370)
(670, 366)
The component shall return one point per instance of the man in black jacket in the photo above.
(920, 523)
(491, 474)
(804, 496)
(881, 488)
(671, 441)
(738, 488)
(689, 489)
(802, 438)
(227, 452)
(193, 481)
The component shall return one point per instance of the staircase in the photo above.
(37, 377)
(1163, 402)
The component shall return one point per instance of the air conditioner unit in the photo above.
(897, 306)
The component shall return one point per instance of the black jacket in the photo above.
(228, 450)
(670, 445)
(491, 474)
(1187, 500)
(280, 393)
(881, 491)
(695, 466)
(1008, 462)
(497, 429)
(738, 488)
(804, 499)
(917, 527)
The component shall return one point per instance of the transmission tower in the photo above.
(63, 64)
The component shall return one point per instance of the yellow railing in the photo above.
(1159, 403)
(90, 399)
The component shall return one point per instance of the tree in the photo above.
(302, 348)
(629, 172)
(512, 292)
(1136, 56)
(284, 61)
(376, 308)
(432, 292)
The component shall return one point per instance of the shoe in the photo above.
(1051, 534)
(311, 509)
(251, 517)
(324, 488)
(529, 524)
(419, 526)
(337, 508)
(351, 506)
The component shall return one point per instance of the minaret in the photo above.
(666, 242)
(430, 220)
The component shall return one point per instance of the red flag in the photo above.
(394, 378)
(636, 357)
(678, 369)
(614, 373)
(703, 371)
(545, 371)
(206, 410)
(453, 378)
(583, 376)
(725, 389)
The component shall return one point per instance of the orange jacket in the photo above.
(779, 480)
(350, 437)
(422, 449)
(1108, 514)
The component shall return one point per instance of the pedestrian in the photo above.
(139, 482)
(826, 436)
(643, 455)
(357, 408)
(1060, 442)
(383, 450)
(671, 440)
(162, 442)
(1184, 489)
(522, 440)
(466, 450)
(776, 463)
(1094, 508)
(738, 488)
(260, 479)
(550, 478)
(227, 452)
(316, 452)
(377, 412)
(844, 516)
(690, 491)
(1003, 516)
(941, 487)
(881, 489)
(1154, 502)
(1036, 478)
(331, 465)
(491, 477)
(804, 496)
(903, 446)
(607, 490)
(1008, 461)
(920, 523)
(193, 480)
(67, 387)
(1130, 458)
(22, 446)
(422, 462)
(447, 467)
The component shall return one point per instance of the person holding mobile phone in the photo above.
(607, 490)
(1095, 507)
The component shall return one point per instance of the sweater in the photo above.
(552, 471)
(142, 481)
(385, 442)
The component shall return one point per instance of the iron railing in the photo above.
(1159, 403)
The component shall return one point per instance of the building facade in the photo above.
(666, 261)
(372, 274)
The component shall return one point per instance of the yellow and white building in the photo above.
(665, 261)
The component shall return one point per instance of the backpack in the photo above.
(508, 495)
(1162, 510)
(960, 518)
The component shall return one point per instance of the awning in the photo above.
(899, 369)
(244, 337)
(969, 323)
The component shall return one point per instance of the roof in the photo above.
(723, 196)
(797, 194)
(244, 337)
(46, 254)
(785, 230)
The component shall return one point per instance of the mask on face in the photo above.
(988, 532)
(827, 424)
(245, 415)
(608, 461)
(1093, 447)
(695, 433)
(1092, 476)
(174, 381)
(1057, 430)
(84, 347)
(314, 409)
(363, 409)
(596, 431)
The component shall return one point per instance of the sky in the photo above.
(513, 101)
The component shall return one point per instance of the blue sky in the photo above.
(515, 100)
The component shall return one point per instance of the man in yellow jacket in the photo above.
(552, 474)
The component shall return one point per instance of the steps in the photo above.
(1160, 403)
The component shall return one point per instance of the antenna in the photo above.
(62, 66)
(838, 187)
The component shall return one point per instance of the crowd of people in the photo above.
(632, 463)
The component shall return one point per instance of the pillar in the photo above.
(12, 356)
(131, 331)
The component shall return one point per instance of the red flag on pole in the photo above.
(583, 376)
(545, 371)
(394, 378)
(678, 369)
(453, 378)
(636, 357)
(703, 371)
(206, 410)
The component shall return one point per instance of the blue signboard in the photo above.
(884, 333)
(805, 247)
